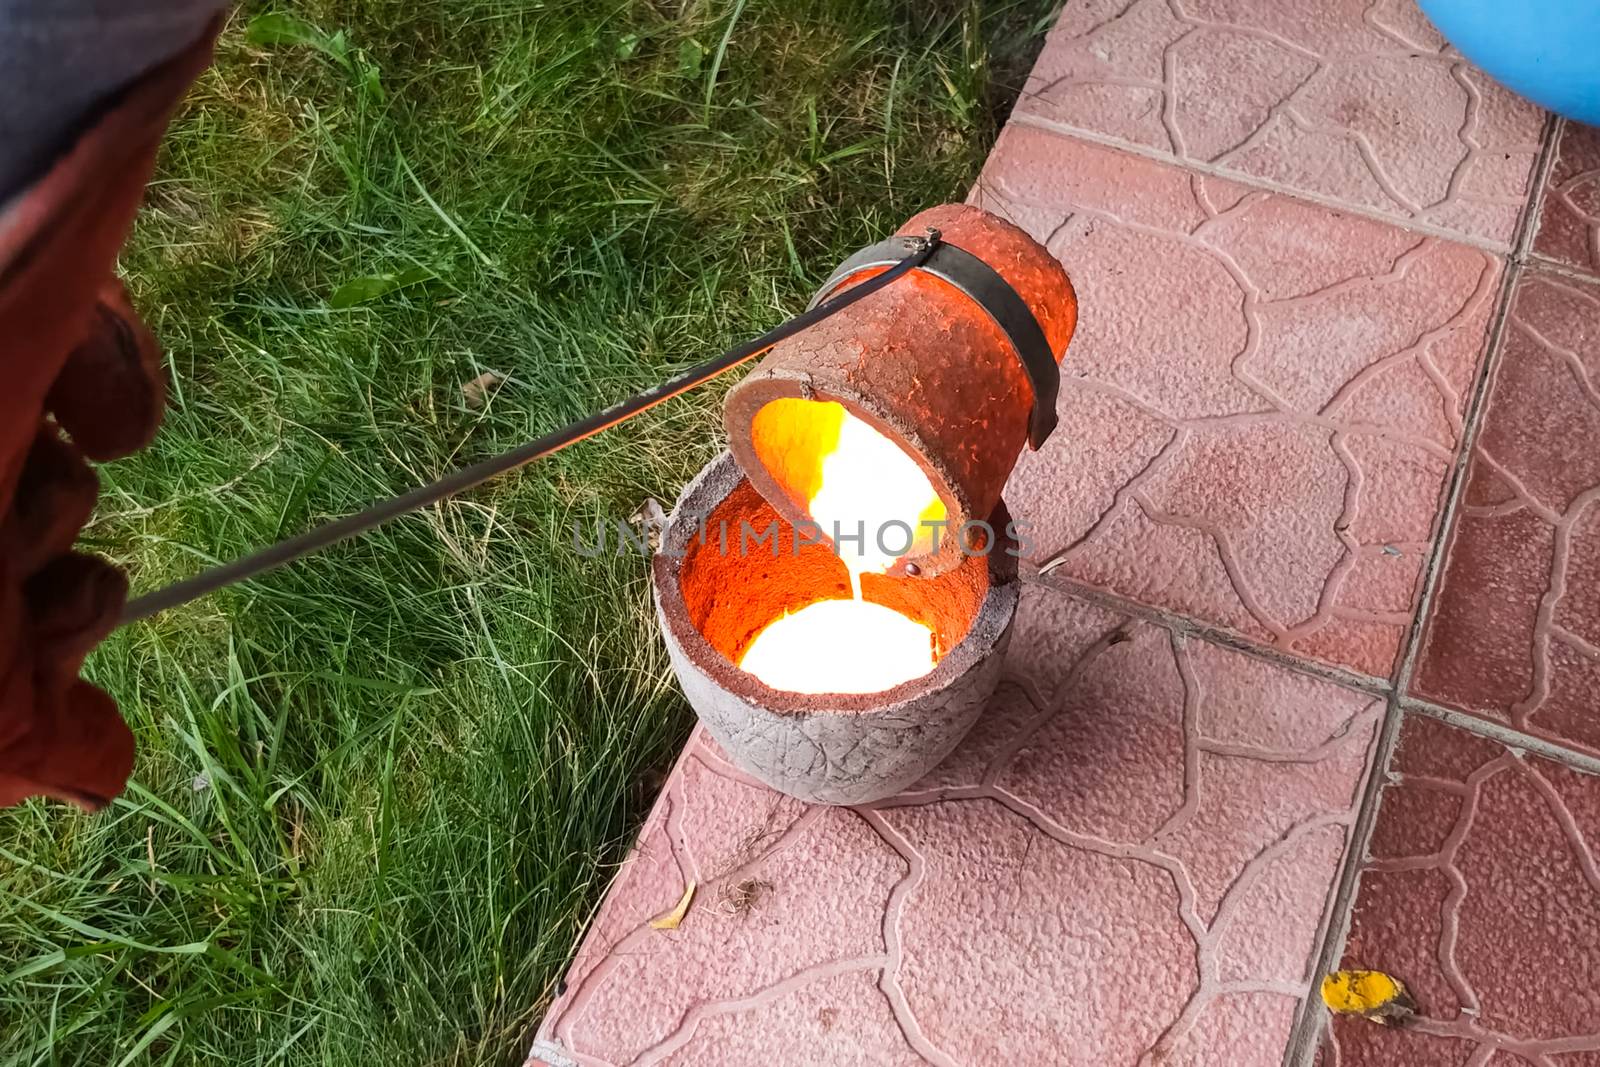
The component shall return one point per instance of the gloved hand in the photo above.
(80, 378)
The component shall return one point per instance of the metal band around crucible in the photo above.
(984, 286)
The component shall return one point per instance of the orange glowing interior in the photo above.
(870, 497)
(735, 598)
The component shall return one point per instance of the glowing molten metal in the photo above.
(870, 486)
(867, 485)
(840, 646)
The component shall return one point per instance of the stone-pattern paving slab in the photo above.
(1569, 218)
(1129, 860)
(1261, 404)
(1514, 630)
(1482, 894)
(1358, 102)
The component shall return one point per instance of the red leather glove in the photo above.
(80, 378)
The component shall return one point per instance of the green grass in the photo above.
(379, 792)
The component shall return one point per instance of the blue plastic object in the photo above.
(1546, 50)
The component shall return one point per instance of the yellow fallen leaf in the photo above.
(671, 919)
(1372, 995)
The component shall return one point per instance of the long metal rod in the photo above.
(331, 533)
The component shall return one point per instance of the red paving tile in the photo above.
(1131, 855)
(1260, 405)
(1483, 896)
(1569, 218)
(1514, 632)
(1358, 102)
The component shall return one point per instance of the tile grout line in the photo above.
(1539, 260)
(1505, 735)
(1472, 418)
(1544, 265)
(1305, 1037)
(1551, 150)
(1306, 1032)
(1219, 637)
(1210, 634)
(1211, 170)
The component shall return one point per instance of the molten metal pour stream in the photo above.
(854, 646)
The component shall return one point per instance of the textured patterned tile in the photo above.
(1569, 219)
(1260, 405)
(1515, 627)
(1358, 102)
(1130, 857)
(1483, 896)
